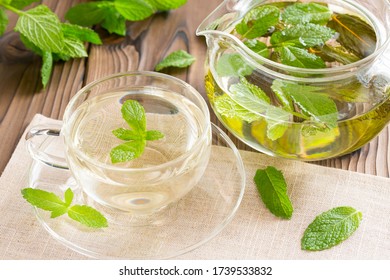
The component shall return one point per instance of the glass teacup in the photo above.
(167, 170)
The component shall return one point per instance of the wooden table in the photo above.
(146, 43)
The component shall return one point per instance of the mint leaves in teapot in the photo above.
(306, 35)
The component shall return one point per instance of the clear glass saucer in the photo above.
(176, 230)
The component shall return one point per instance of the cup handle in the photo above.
(38, 140)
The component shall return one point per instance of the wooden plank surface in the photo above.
(145, 44)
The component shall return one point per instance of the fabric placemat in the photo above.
(254, 233)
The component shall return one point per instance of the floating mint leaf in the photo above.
(354, 34)
(258, 47)
(272, 187)
(331, 228)
(227, 107)
(134, 114)
(249, 96)
(306, 13)
(180, 59)
(42, 27)
(51, 202)
(277, 122)
(258, 21)
(301, 58)
(134, 10)
(87, 216)
(3, 21)
(233, 65)
(127, 151)
(302, 36)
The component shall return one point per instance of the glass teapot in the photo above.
(306, 80)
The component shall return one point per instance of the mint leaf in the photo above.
(126, 134)
(277, 122)
(305, 13)
(153, 135)
(47, 67)
(114, 22)
(273, 191)
(180, 59)
(302, 36)
(80, 33)
(20, 4)
(233, 65)
(301, 58)
(331, 228)
(3, 21)
(311, 101)
(134, 10)
(258, 21)
(44, 200)
(95, 11)
(258, 47)
(68, 197)
(87, 216)
(249, 96)
(73, 48)
(165, 5)
(42, 27)
(336, 53)
(127, 151)
(134, 114)
(227, 107)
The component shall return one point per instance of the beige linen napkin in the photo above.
(254, 233)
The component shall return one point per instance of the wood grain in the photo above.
(145, 44)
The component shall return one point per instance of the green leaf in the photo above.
(249, 96)
(42, 27)
(272, 187)
(354, 34)
(43, 199)
(73, 48)
(233, 65)
(134, 10)
(3, 21)
(20, 4)
(331, 228)
(81, 33)
(88, 14)
(227, 107)
(312, 102)
(180, 59)
(302, 36)
(47, 67)
(258, 47)
(165, 5)
(134, 114)
(306, 13)
(277, 122)
(154, 135)
(301, 58)
(114, 22)
(127, 135)
(87, 216)
(336, 53)
(257, 22)
(28, 44)
(68, 196)
(127, 151)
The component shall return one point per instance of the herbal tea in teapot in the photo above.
(304, 80)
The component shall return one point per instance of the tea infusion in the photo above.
(285, 116)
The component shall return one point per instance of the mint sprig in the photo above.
(134, 115)
(179, 59)
(49, 201)
(272, 188)
(331, 228)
